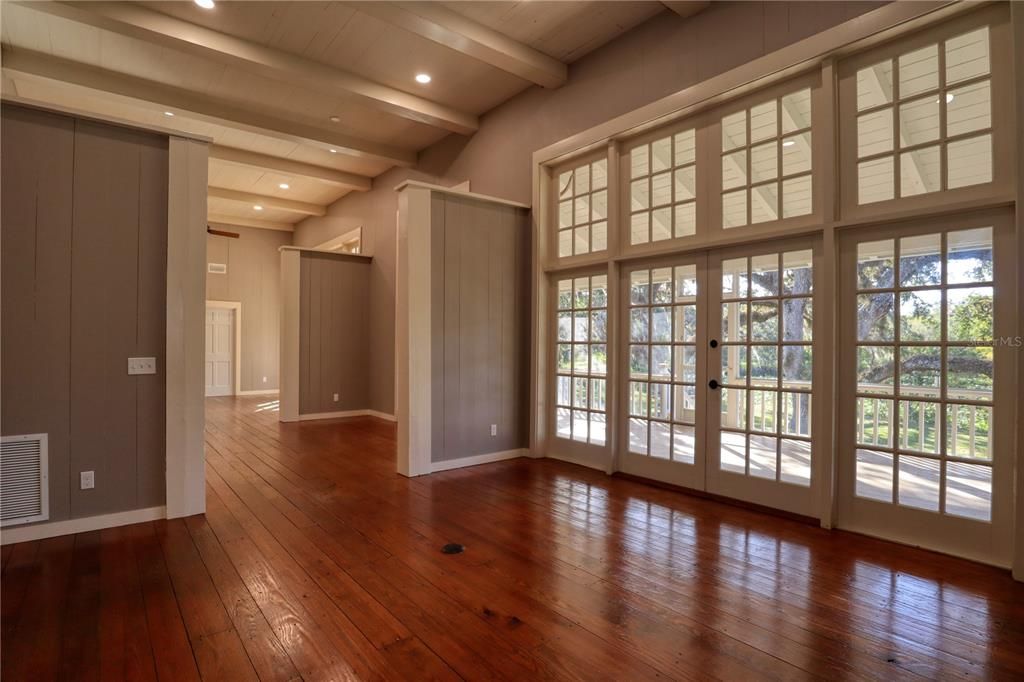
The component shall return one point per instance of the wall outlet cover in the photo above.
(141, 366)
(494, 429)
(335, 397)
(87, 480)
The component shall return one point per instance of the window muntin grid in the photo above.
(663, 328)
(583, 209)
(925, 372)
(581, 359)
(766, 377)
(766, 161)
(924, 120)
(663, 188)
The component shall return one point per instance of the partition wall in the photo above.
(795, 284)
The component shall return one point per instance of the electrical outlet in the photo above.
(335, 397)
(141, 366)
(88, 480)
(494, 429)
(264, 380)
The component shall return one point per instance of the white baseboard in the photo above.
(268, 391)
(474, 460)
(51, 529)
(345, 413)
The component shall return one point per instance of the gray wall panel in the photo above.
(84, 289)
(334, 342)
(479, 338)
(35, 232)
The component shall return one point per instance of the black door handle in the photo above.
(712, 384)
(714, 343)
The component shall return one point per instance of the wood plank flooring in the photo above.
(316, 561)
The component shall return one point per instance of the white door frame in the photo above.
(236, 352)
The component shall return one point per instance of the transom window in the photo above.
(766, 161)
(925, 372)
(924, 120)
(663, 362)
(663, 189)
(583, 209)
(765, 403)
(582, 359)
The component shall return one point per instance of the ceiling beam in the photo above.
(221, 220)
(139, 22)
(158, 97)
(242, 157)
(685, 8)
(435, 22)
(266, 201)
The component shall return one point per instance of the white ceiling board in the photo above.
(260, 181)
(224, 48)
(156, 97)
(336, 35)
(147, 60)
(441, 25)
(244, 209)
(563, 30)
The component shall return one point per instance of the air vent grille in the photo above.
(23, 486)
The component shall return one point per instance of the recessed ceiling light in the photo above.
(257, 207)
(284, 185)
(423, 78)
(168, 113)
(334, 151)
(205, 4)
(335, 119)
(789, 143)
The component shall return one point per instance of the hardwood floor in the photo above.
(316, 561)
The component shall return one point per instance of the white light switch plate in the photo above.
(141, 365)
(87, 480)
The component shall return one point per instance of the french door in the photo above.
(927, 394)
(663, 353)
(718, 356)
(761, 362)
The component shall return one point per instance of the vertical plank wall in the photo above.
(481, 318)
(254, 280)
(334, 342)
(84, 288)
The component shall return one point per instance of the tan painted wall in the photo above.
(664, 55)
(253, 279)
(334, 345)
(479, 326)
(84, 233)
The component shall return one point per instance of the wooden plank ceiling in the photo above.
(304, 101)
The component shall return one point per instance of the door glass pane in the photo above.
(733, 452)
(874, 475)
(919, 482)
(969, 491)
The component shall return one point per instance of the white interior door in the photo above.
(220, 344)
(927, 396)
(761, 370)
